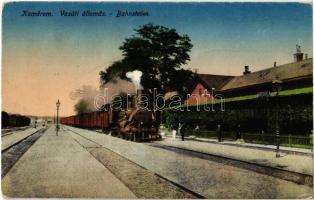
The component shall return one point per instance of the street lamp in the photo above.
(58, 105)
(277, 87)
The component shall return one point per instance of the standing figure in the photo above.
(174, 132)
(197, 128)
(219, 135)
(238, 132)
(182, 130)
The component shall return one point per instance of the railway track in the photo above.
(295, 177)
(269, 179)
(12, 131)
(123, 161)
(12, 153)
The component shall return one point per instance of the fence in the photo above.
(267, 139)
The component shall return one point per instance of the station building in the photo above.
(295, 75)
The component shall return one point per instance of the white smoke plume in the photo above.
(135, 77)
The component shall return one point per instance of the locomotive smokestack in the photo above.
(138, 92)
(138, 98)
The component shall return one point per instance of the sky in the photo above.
(47, 58)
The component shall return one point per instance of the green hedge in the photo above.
(253, 115)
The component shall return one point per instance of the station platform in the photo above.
(59, 167)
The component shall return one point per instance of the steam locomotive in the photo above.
(134, 124)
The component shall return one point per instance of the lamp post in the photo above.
(58, 105)
(277, 87)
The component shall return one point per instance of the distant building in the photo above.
(201, 89)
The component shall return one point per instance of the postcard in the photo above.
(157, 100)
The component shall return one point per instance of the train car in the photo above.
(71, 120)
(135, 124)
(92, 120)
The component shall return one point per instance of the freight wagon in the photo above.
(93, 120)
(134, 124)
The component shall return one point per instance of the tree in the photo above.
(158, 52)
(5, 119)
(81, 107)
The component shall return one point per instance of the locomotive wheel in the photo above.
(128, 137)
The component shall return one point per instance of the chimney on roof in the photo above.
(246, 70)
(298, 56)
(275, 64)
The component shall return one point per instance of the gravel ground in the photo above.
(143, 183)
